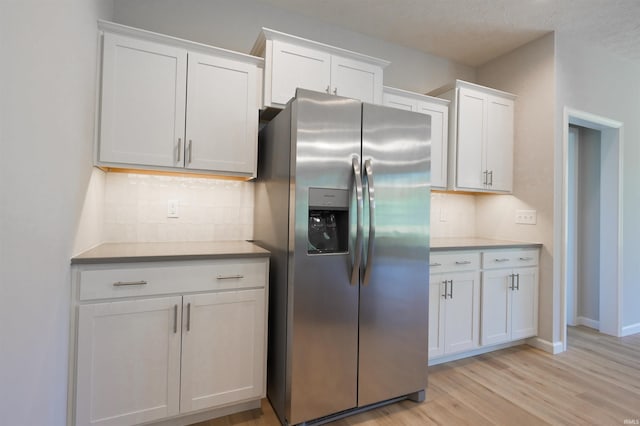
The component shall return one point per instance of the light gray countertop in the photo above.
(442, 244)
(153, 252)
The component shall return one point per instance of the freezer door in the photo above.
(323, 316)
(394, 294)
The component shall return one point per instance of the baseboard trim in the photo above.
(474, 352)
(631, 329)
(545, 345)
(588, 322)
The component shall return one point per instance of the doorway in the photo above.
(592, 223)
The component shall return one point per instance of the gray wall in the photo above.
(528, 72)
(593, 80)
(46, 133)
(235, 25)
(588, 224)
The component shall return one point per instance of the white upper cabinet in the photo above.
(143, 101)
(481, 138)
(172, 105)
(292, 62)
(438, 110)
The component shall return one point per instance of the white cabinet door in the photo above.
(471, 133)
(143, 102)
(397, 101)
(439, 141)
(128, 361)
(222, 108)
(297, 66)
(499, 145)
(461, 312)
(524, 312)
(496, 307)
(223, 347)
(436, 316)
(357, 80)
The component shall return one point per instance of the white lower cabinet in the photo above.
(468, 314)
(143, 355)
(454, 301)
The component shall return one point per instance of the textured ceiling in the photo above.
(473, 32)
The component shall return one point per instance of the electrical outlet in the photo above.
(526, 217)
(172, 208)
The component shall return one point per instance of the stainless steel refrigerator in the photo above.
(342, 202)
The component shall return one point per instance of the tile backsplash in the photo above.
(453, 215)
(135, 208)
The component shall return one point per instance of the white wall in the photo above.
(453, 215)
(235, 25)
(528, 72)
(593, 80)
(47, 103)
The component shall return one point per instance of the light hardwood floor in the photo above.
(596, 382)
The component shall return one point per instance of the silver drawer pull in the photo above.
(435, 264)
(229, 277)
(503, 260)
(125, 283)
(524, 259)
(463, 262)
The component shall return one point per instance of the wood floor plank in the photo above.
(595, 382)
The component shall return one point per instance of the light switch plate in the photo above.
(172, 208)
(526, 217)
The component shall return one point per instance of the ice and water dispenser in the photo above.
(328, 221)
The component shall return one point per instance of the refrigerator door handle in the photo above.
(368, 171)
(357, 260)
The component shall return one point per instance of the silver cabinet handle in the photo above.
(524, 259)
(511, 287)
(357, 177)
(179, 150)
(368, 170)
(451, 292)
(435, 264)
(504, 259)
(490, 178)
(517, 282)
(328, 90)
(175, 319)
(229, 277)
(335, 91)
(463, 262)
(445, 282)
(485, 180)
(127, 283)
(190, 150)
(188, 316)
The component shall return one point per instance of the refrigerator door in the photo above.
(394, 294)
(323, 317)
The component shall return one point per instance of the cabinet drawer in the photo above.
(509, 258)
(144, 279)
(454, 261)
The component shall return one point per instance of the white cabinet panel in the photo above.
(496, 307)
(482, 138)
(143, 101)
(297, 66)
(173, 105)
(223, 349)
(436, 317)
(524, 316)
(292, 62)
(222, 114)
(128, 362)
(471, 135)
(462, 312)
(355, 79)
(438, 110)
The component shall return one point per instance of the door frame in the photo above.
(611, 217)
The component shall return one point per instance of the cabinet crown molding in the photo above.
(465, 84)
(269, 34)
(112, 27)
